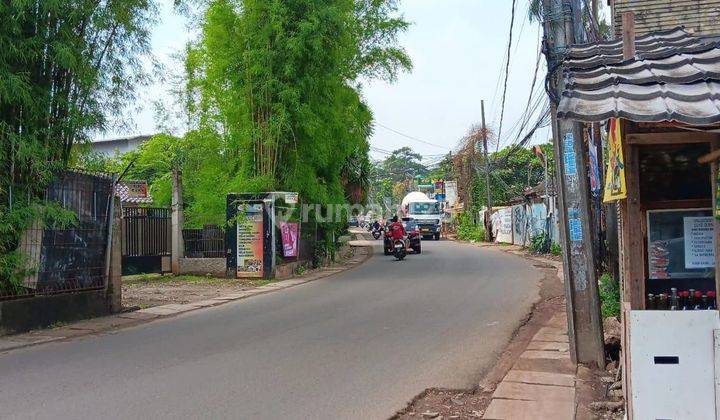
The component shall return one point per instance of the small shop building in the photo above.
(661, 109)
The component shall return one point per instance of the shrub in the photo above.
(539, 243)
(609, 296)
(555, 249)
(469, 231)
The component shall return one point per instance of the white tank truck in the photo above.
(426, 211)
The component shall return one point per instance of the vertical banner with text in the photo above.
(289, 233)
(615, 188)
(250, 241)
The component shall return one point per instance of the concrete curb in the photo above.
(130, 319)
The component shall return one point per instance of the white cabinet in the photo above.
(672, 364)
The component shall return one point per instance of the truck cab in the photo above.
(426, 211)
(428, 216)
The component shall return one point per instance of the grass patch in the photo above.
(260, 283)
(159, 279)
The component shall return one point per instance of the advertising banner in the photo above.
(289, 233)
(291, 198)
(519, 224)
(502, 225)
(615, 188)
(699, 242)
(595, 186)
(250, 241)
(451, 192)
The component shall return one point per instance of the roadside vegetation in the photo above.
(272, 102)
(66, 71)
(467, 230)
(609, 296)
(270, 93)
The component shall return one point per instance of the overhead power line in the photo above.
(507, 70)
(410, 137)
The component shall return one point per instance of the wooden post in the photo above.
(628, 32)
(715, 148)
(633, 242)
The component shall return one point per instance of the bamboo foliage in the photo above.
(277, 81)
(65, 66)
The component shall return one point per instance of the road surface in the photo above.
(357, 345)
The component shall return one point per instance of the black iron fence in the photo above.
(146, 240)
(208, 242)
(69, 252)
(146, 231)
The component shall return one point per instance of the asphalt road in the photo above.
(356, 345)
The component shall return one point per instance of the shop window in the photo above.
(672, 172)
(681, 244)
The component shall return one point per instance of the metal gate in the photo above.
(146, 240)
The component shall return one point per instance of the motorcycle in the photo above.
(376, 233)
(399, 250)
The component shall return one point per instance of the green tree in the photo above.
(273, 97)
(403, 164)
(444, 169)
(511, 168)
(64, 66)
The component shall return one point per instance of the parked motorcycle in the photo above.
(399, 249)
(376, 233)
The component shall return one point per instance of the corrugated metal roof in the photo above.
(650, 46)
(700, 16)
(696, 104)
(675, 77)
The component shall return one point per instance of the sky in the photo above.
(458, 50)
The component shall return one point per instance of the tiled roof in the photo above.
(674, 76)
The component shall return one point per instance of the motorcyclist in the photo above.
(397, 229)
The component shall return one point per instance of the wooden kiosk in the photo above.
(660, 93)
(668, 237)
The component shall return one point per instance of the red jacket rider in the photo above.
(397, 229)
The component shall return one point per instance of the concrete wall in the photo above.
(21, 315)
(203, 266)
(520, 223)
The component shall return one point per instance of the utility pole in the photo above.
(488, 225)
(177, 220)
(562, 29)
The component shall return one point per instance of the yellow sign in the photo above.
(615, 187)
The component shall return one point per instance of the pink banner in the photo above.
(289, 232)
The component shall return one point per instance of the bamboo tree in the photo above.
(65, 65)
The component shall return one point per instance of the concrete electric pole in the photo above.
(488, 225)
(562, 29)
